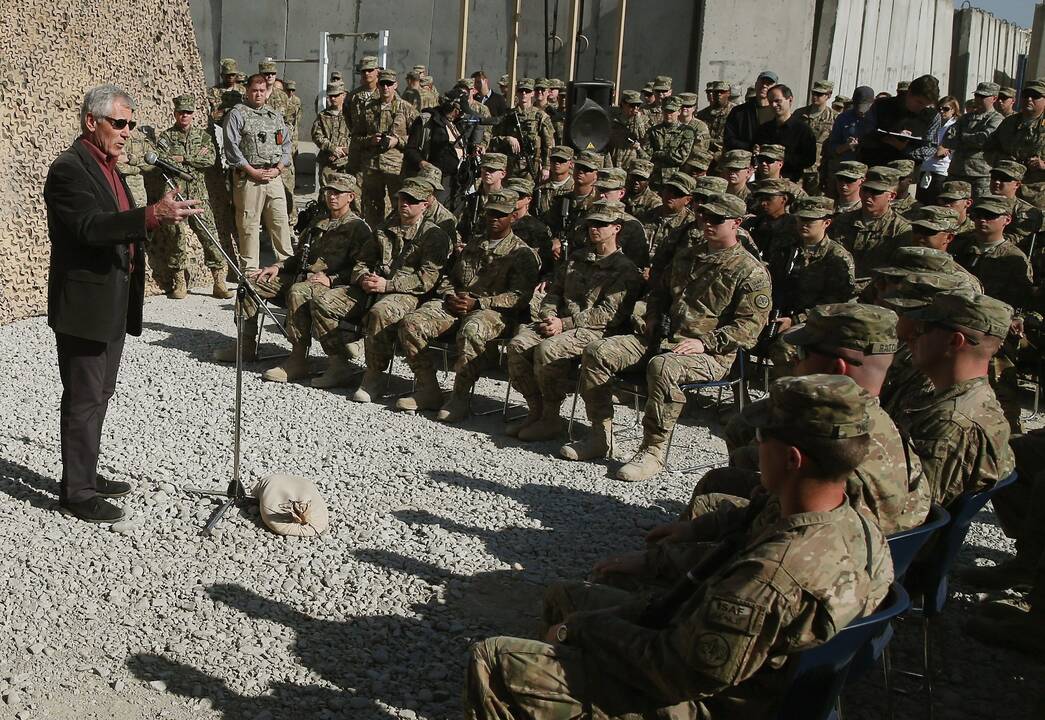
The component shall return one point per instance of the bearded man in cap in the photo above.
(229, 82)
(1021, 137)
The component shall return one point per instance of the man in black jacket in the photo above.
(96, 287)
(743, 120)
(914, 113)
(437, 138)
(789, 131)
(494, 102)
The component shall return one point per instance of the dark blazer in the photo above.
(741, 124)
(90, 293)
(496, 104)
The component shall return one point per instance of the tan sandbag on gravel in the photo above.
(291, 505)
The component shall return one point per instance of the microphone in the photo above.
(168, 167)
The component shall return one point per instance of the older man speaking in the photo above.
(96, 287)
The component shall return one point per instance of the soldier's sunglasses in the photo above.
(712, 219)
(120, 123)
(1032, 95)
(386, 83)
(765, 159)
(983, 215)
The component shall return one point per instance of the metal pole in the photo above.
(620, 49)
(324, 64)
(462, 41)
(571, 44)
(513, 52)
(382, 48)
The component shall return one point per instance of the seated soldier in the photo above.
(957, 195)
(736, 168)
(308, 281)
(529, 228)
(567, 210)
(874, 232)
(493, 169)
(698, 164)
(674, 211)
(773, 225)
(712, 301)
(590, 295)
(704, 190)
(917, 259)
(849, 178)
(640, 197)
(560, 178)
(407, 258)
(1006, 180)
(961, 435)
(722, 650)
(486, 287)
(632, 239)
(436, 212)
(904, 201)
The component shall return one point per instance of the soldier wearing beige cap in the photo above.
(1006, 180)
(849, 178)
(820, 117)
(714, 115)
(640, 197)
(872, 233)
(628, 132)
(967, 137)
(330, 132)
(229, 81)
(1006, 104)
(735, 166)
(560, 178)
(957, 196)
(676, 195)
(368, 69)
(1021, 137)
(527, 126)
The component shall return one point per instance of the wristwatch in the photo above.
(561, 634)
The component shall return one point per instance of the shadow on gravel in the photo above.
(21, 483)
(201, 344)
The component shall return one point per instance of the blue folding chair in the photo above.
(926, 580)
(820, 673)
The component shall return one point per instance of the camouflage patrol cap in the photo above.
(524, 84)
(735, 160)
(588, 159)
(1007, 92)
(724, 204)
(839, 103)
(342, 182)
(1037, 86)
(773, 186)
(680, 181)
(417, 188)
(415, 75)
(934, 217)
(955, 190)
(882, 178)
(556, 84)
(605, 211)
(367, 62)
(912, 259)
(993, 204)
(420, 69)
(432, 175)
(672, 103)
(290, 85)
(699, 160)
(611, 179)
(241, 78)
(851, 170)
(229, 66)
(709, 186)
(823, 86)
(717, 86)
(426, 81)
(503, 80)
(185, 103)
(688, 99)
(1010, 169)
(870, 329)
(388, 74)
(463, 84)
(540, 83)
(647, 89)
(918, 290)
(815, 207)
(494, 161)
(987, 89)
(662, 82)
(523, 186)
(335, 88)
(631, 97)
(904, 167)
(903, 86)
(640, 168)
(336, 76)
(268, 65)
(563, 152)
(502, 201)
(774, 152)
(818, 405)
(966, 309)
(231, 97)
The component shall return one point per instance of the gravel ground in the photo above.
(438, 535)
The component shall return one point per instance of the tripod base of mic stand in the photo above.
(235, 496)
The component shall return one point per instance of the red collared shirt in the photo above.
(108, 168)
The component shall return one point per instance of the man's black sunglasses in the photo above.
(120, 123)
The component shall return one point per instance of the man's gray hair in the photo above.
(99, 102)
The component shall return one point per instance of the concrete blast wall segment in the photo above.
(986, 49)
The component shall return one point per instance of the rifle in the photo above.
(780, 293)
(469, 217)
(663, 607)
(562, 216)
(630, 137)
(529, 152)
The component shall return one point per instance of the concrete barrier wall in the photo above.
(986, 49)
(1036, 53)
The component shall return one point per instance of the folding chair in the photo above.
(926, 579)
(820, 673)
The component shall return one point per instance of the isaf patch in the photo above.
(737, 616)
(761, 301)
(712, 650)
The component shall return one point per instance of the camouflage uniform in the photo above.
(715, 119)
(820, 121)
(280, 102)
(135, 166)
(381, 168)
(294, 114)
(658, 224)
(786, 589)
(967, 139)
(1002, 268)
(329, 132)
(215, 94)
(668, 145)
(648, 198)
(621, 151)
(537, 129)
(823, 273)
(500, 274)
(357, 100)
(196, 153)
(871, 241)
(1020, 139)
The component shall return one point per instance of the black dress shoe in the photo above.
(107, 488)
(95, 510)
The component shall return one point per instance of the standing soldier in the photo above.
(529, 125)
(380, 131)
(967, 140)
(257, 148)
(820, 118)
(294, 111)
(429, 94)
(193, 149)
(330, 133)
(701, 133)
(1021, 137)
(714, 115)
(363, 93)
(279, 101)
(412, 93)
(669, 143)
(229, 81)
(630, 126)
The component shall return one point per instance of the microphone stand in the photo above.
(235, 494)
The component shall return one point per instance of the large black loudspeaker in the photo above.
(589, 123)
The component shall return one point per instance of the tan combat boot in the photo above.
(1012, 573)
(179, 289)
(427, 394)
(456, 409)
(646, 463)
(293, 368)
(593, 447)
(536, 408)
(549, 427)
(337, 374)
(371, 387)
(220, 291)
(227, 353)
(354, 349)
